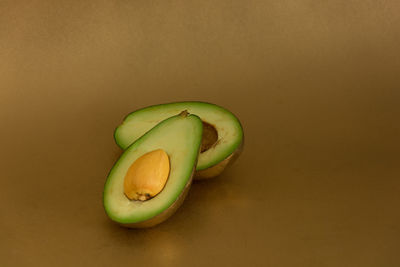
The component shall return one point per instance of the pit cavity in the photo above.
(210, 137)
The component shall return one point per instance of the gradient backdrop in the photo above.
(315, 83)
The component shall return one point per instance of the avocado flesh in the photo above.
(180, 137)
(228, 127)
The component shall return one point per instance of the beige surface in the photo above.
(315, 83)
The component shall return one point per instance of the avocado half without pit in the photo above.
(153, 175)
(222, 139)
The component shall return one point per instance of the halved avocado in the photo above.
(222, 132)
(180, 137)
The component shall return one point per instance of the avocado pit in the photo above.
(147, 175)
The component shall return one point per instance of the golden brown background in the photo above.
(315, 83)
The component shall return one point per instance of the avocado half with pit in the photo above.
(222, 139)
(153, 175)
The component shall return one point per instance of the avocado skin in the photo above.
(220, 167)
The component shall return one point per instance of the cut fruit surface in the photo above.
(222, 131)
(160, 164)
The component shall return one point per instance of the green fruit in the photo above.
(222, 132)
(180, 137)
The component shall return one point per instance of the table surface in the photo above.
(315, 84)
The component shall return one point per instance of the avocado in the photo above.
(222, 139)
(153, 175)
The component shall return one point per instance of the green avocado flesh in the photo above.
(228, 127)
(180, 137)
